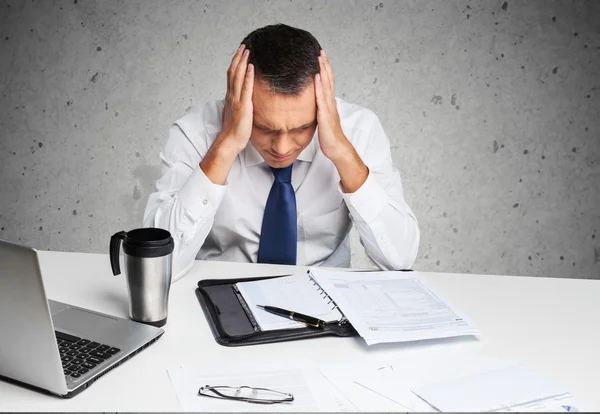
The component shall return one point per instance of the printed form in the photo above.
(393, 306)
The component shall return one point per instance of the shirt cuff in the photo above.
(367, 202)
(199, 196)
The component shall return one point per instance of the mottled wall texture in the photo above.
(492, 108)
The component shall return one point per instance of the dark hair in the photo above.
(285, 57)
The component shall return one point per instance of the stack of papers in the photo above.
(431, 380)
(393, 306)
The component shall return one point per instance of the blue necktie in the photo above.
(278, 236)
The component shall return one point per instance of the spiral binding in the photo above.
(325, 295)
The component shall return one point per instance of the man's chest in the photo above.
(321, 211)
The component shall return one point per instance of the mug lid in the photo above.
(148, 237)
(148, 242)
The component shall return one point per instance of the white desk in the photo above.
(552, 325)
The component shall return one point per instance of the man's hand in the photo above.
(334, 144)
(237, 119)
(237, 114)
(331, 137)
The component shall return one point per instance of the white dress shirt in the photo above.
(223, 222)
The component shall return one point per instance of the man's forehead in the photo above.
(263, 96)
(274, 111)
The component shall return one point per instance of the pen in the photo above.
(295, 316)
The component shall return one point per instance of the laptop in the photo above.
(52, 346)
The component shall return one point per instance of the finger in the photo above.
(234, 64)
(240, 72)
(319, 93)
(329, 72)
(248, 84)
(324, 77)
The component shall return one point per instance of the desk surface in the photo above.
(552, 325)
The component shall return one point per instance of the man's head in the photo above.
(285, 62)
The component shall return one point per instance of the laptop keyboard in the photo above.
(79, 355)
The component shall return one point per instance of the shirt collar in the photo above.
(252, 157)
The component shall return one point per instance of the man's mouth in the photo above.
(280, 157)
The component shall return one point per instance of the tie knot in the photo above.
(282, 175)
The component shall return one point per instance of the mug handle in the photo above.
(115, 247)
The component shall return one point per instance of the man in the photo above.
(280, 170)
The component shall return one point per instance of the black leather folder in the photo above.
(232, 324)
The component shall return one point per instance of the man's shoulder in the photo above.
(202, 119)
(357, 123)
(354, 116)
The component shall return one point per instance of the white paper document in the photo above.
(463, 381)
(343, 376)
(296, 293)
(560, 404)
(310, 390)
(423, 368)
(495, 390)
(393, 306)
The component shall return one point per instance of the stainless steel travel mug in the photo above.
(148, 256)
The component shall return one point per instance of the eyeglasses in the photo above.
(245, 393)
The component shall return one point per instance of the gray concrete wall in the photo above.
(492, 108)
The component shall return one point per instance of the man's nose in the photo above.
(282, 144)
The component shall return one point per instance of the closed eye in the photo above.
(305, 127)
(271, 131)
(263, 129)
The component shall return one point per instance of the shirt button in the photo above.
(205, 201)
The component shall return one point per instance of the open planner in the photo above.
(379, 306)
(299, 293)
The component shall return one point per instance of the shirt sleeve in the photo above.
(387, 227)
(185, 201)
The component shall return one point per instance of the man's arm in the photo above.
(193, 183)
(185, 202)
(387, 227)
(334, 144)
(237, 119)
